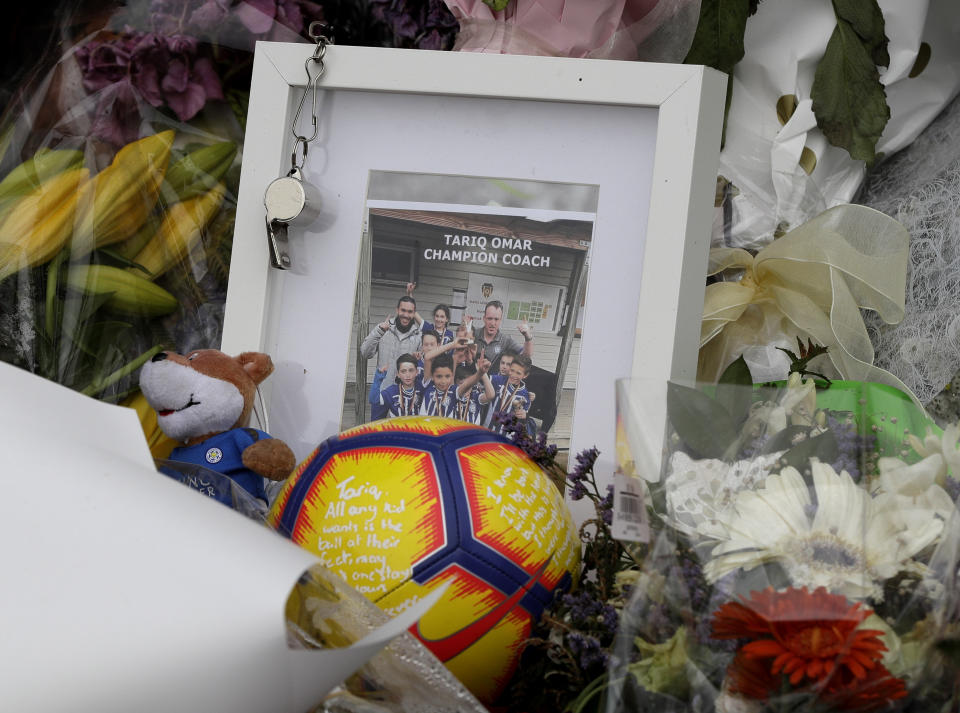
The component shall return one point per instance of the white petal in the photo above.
(841, 504)
(898, 477)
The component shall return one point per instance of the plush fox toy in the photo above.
(204, 399)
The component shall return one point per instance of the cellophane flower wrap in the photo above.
(803, 554)
(119, 168)
(648, 30)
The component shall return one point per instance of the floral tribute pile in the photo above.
(119, 170)
(803, 557)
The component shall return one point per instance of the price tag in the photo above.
(629, 509)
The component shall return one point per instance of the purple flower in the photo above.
(605, 506)
(952, 487)
(165, 71)
(104, 63)
(424, 25)
(208, 16)
(117, 116)
(584, 467)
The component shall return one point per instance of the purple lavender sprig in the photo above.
(544, 455)
(853, 447)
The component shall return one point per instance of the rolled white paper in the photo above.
(123, 590)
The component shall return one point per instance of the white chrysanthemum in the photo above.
(845, 540)
(796, 407)
(941, 451)
(916, 483)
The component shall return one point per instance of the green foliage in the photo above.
(866, 19)
(807, 353)
(497, 4)
(735, 390)
(718, 40)
(823, 447)
(848, 98)
(702, 423)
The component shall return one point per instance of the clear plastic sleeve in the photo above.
(803, 553)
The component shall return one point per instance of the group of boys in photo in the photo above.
(424, 368)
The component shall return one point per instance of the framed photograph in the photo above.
(555, 208)
(491, 261)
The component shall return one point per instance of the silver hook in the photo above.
(300, 145)
(312, 81)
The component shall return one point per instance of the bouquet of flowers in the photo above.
(803, 556)
(119, 168)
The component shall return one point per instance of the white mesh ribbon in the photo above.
(810, 284)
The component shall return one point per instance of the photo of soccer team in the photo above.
(475, 375)
(470, 311)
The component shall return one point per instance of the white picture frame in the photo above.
(647, 135)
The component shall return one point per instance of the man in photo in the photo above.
(396, 335)
(493, 343)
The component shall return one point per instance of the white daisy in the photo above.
(846, 541)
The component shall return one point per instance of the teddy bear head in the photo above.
(205, 392)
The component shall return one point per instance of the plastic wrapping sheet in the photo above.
(648, 30)
(174, 68)
(122, 261)
(183, 599)
(782, 169)
(803, 555)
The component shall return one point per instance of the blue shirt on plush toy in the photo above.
(224, 454)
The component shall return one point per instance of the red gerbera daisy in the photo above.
(844, 692)
(812, 638)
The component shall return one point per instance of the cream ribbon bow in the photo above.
(810, 283)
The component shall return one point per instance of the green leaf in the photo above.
(848, 98)
(866, 19)
(239, 101)
(497, 4)
(118, 260)
(737, 373)
(77, 309)
(718, 40)
(735, 389)
(782, 440)
(823, 447)
(702, 423)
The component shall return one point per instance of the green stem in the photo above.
(53, 281)
(596, 687)
(97, 386)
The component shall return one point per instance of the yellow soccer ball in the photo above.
(399, 506)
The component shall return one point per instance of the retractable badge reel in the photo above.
(290, 200)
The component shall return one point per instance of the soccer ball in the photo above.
(397, 507)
